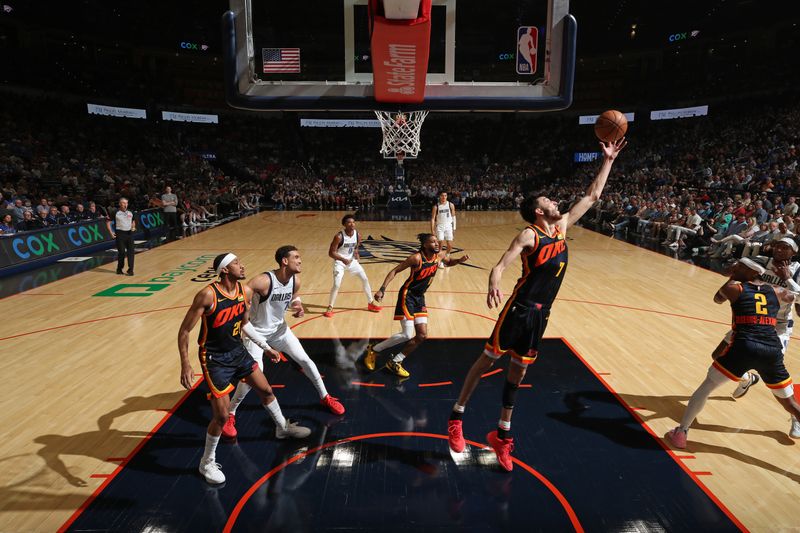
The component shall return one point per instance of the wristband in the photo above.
(382, 289)
(297, 300)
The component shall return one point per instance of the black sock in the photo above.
(455, 415)
(503, 433)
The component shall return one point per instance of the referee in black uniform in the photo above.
(125, 228)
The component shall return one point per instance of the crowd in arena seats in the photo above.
(723, 185)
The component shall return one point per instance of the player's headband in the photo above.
(225, 262)
(752, 265)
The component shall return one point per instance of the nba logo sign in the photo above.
(527, 44)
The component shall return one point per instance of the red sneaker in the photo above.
(333, 404)
(374, 308)
(328, 313)
(502, 448)
(229, 429)
(455, 436)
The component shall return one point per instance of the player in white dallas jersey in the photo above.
(274, 292)
(344, 252)
(781, 272)
(443, 222)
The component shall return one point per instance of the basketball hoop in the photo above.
(401, 133)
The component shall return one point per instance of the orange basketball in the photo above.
(611, 126)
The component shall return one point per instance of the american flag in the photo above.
(281, 60)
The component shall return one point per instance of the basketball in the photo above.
(611, 126)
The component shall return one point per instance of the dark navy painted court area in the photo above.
(583, 461)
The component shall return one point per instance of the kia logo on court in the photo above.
(386, 250)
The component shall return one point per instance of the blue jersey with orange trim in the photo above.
(543, 268)
(421, 277)
(221, 327)
(755, 313)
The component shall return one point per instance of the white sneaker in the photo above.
(211, 470)
(292, 431)
(794, 431)
(745, 384)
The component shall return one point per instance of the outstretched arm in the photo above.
(247, 328)
(527, 237)
(412, 261)
(610, 153)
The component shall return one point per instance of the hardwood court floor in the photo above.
(88, 376)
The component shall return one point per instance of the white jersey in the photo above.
(444, 215)
(268, 313)
(785, 312)
(347, 247)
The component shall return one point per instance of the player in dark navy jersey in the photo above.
(755, 344)
(410, 309)
(523, 320)
(223, 309)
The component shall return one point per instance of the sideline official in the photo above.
(125, 228)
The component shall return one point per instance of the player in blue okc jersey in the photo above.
(755, 344)
(523, 320)
(223, 307)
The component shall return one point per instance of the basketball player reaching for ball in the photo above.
(410, 309)
(223, 307)
(443, 222)
(274, 292)
(344, 252)
(755, 344)
(523, 320)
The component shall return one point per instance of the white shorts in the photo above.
(784, 334)
(284, 340)
(444, 233)
(340, 268)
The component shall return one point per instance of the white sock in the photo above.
(241, 391)
(458, 408)
(502, 424)
(210, 452)
(275, 413)
(398, 358)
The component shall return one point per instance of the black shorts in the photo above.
(410, 307)
(766, 359)
(222, 370)
(518, 332)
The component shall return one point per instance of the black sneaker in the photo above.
(744, 385)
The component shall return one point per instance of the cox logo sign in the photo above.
(151, 220)
(193, 46)
(84, 235)
(40, 244)
(683, 35)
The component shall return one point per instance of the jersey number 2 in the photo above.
(761, 304)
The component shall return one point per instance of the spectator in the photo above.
(7, 225)
(29, 223)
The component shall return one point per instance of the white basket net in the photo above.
(401, 133)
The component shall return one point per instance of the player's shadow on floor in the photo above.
(626, 431)
(105, 442)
